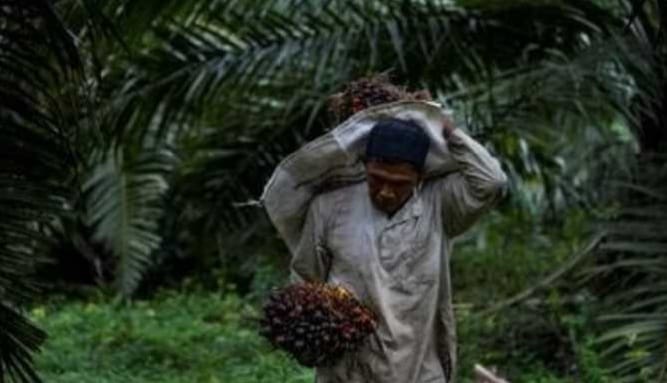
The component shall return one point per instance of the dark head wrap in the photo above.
(394, 139)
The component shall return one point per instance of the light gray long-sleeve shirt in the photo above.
(399, 266)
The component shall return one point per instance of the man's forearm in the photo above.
(475, 187)
(477, 165)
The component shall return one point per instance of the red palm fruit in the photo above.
(315, 322)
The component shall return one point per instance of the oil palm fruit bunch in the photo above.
(316, 323)
(369, 91)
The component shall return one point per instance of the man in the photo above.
(388, 241)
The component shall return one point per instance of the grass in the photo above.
(174, 338)
(207, 337)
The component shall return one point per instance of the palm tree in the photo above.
(37, 59)
(631, 269)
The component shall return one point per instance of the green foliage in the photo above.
(37, 56)
(543, 340)
(182, 336)
(549, 335)
(592, 363)
(175, 338)
(630, 273)
(124, 208)
(18, 338)
(510, 250)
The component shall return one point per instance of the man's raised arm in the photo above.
(473, 190)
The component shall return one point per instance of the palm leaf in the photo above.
(124, 207)
(18, 340)
(632, 265)
(37, 56)
(633, 262)
(263, 75)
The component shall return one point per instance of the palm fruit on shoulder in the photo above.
(316, 323)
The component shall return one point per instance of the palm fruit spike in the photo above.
(316, 323)
(369, 91)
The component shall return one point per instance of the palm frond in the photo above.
(632, 267)
(124, 196)
(225, 57)
(38, 60)
(18, 340)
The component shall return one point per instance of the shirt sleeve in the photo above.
(311, 260)
(471, 191)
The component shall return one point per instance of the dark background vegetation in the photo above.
(134, 136)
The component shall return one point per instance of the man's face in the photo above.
(390, 184)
